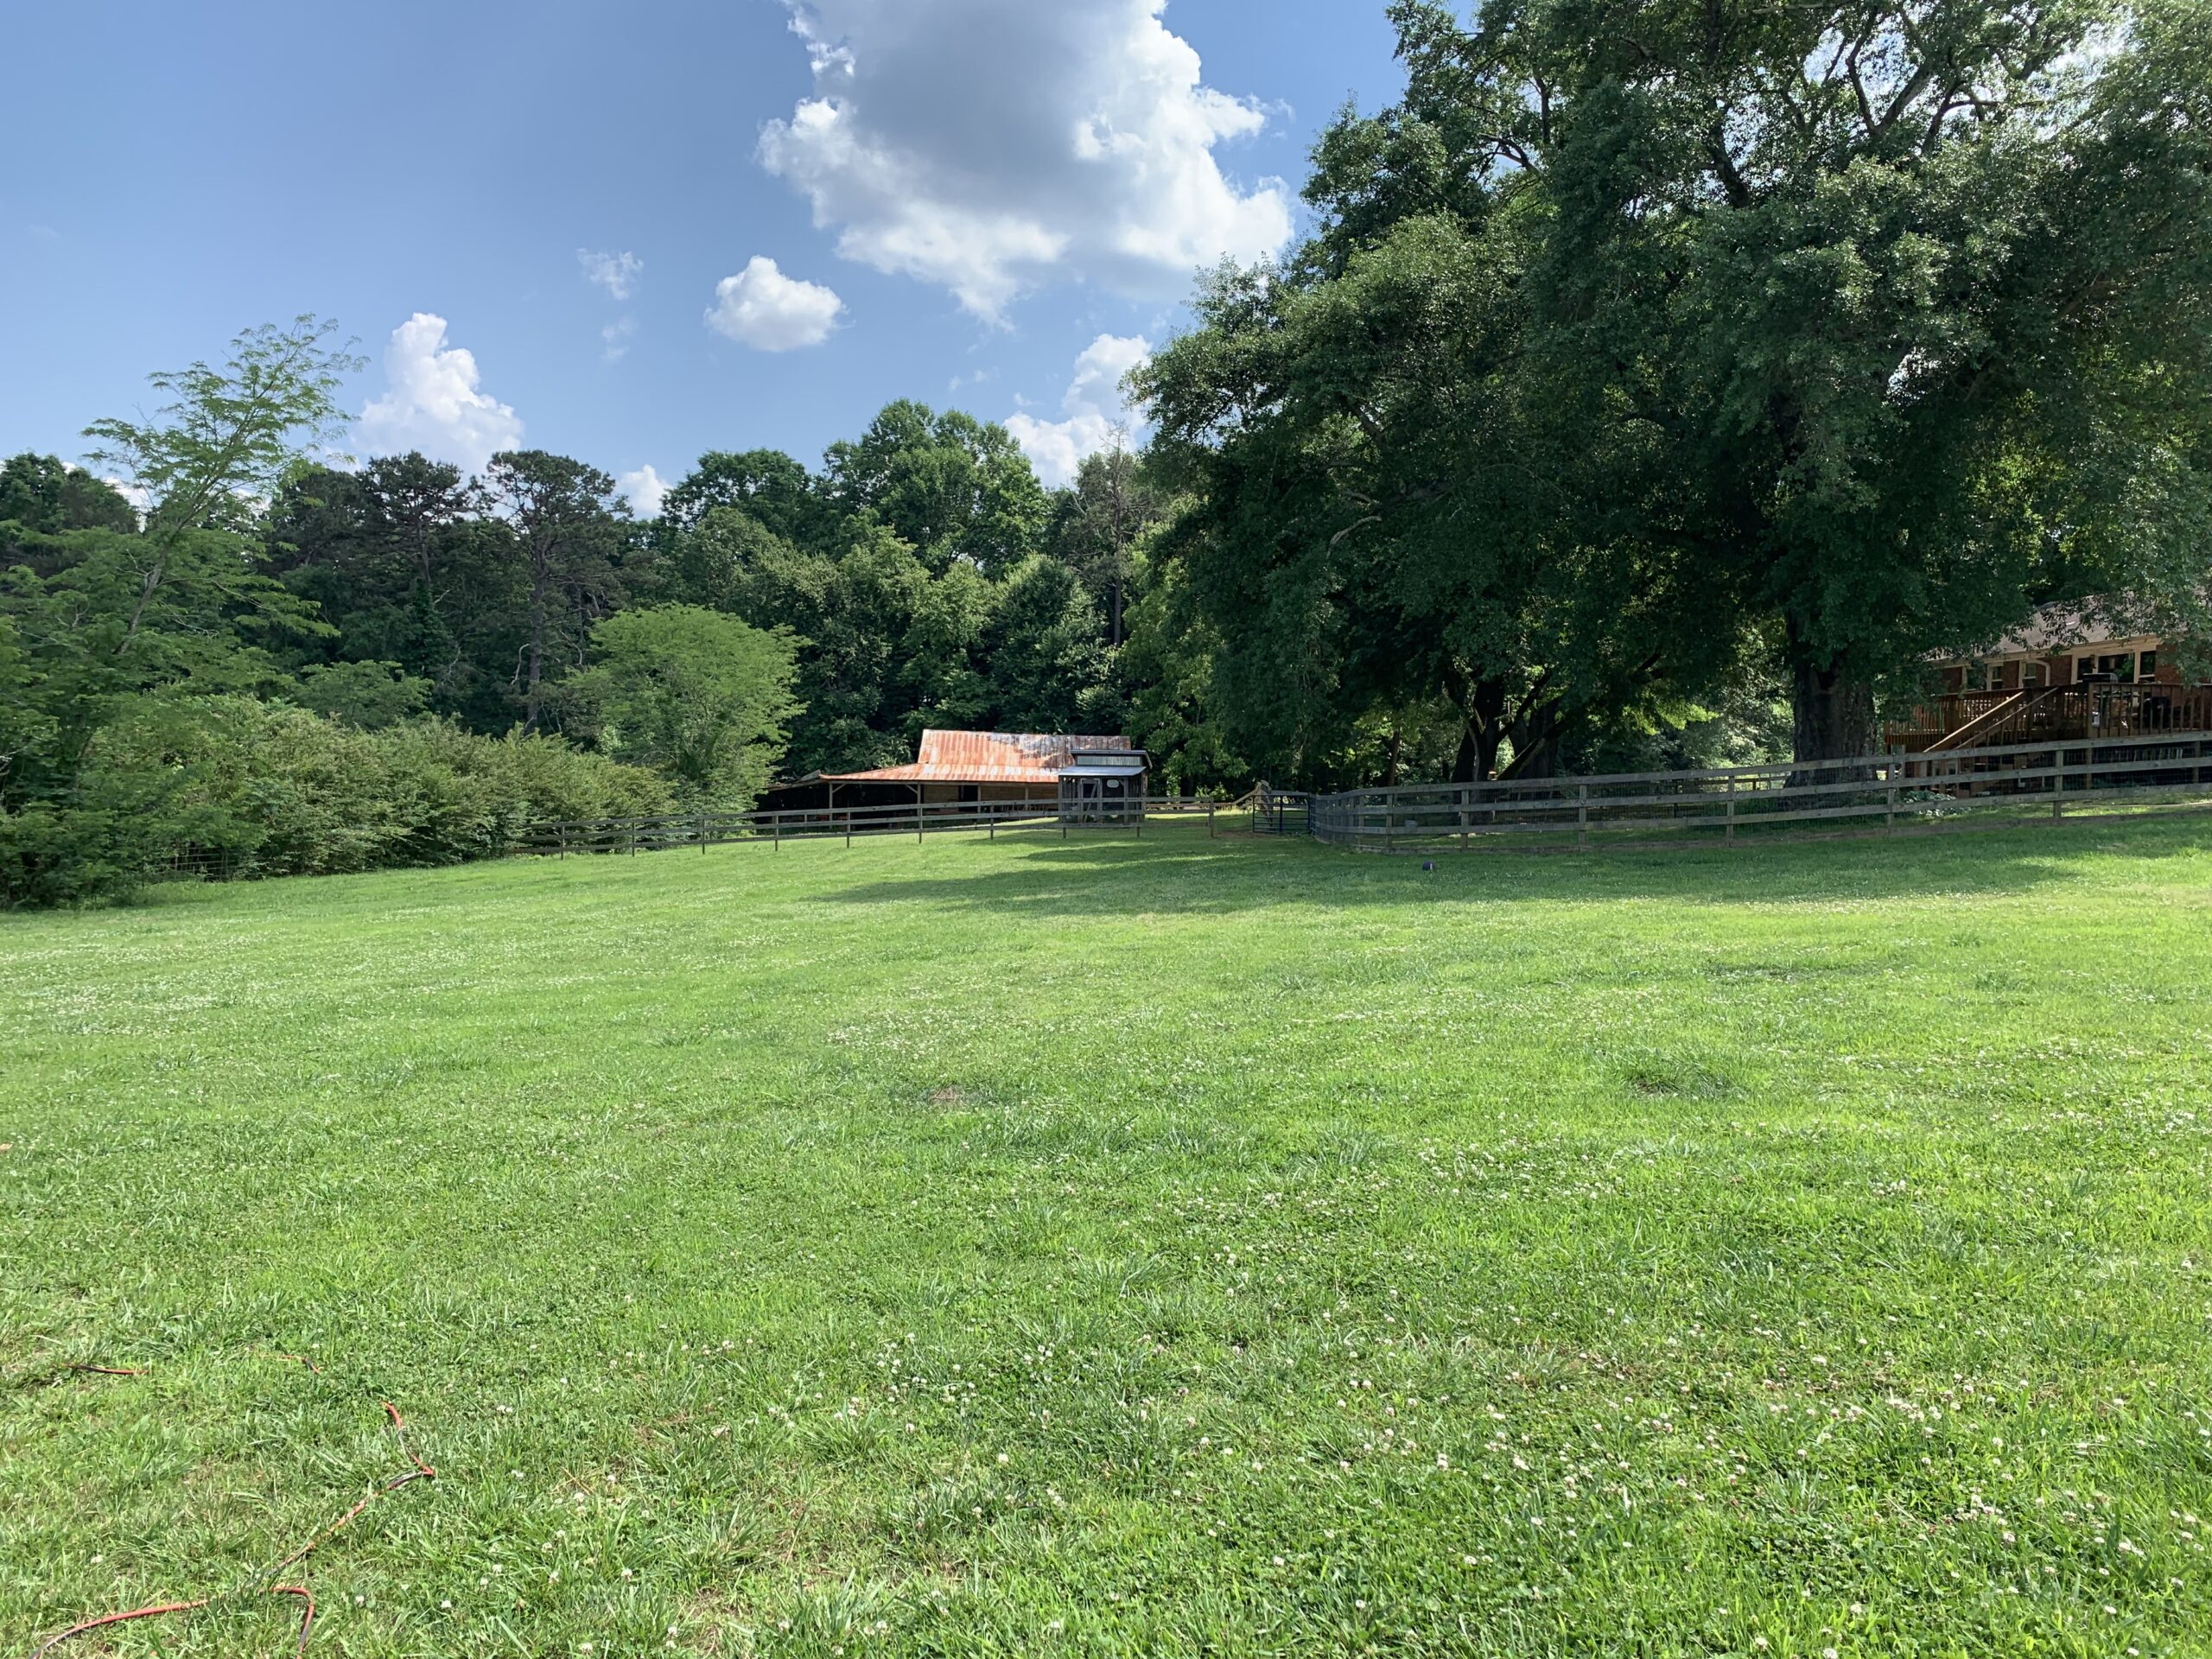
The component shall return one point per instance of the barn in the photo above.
(955, 767)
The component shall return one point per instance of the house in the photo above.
(2066, 673)
(955, 767)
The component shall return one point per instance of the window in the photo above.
(2032, 675)
(2146, 665)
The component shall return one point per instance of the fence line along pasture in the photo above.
(671, 832)
(1725, 804)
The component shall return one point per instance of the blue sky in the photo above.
(987, 204)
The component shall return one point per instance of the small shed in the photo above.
(1104, 786)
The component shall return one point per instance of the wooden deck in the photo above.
(1965, 719)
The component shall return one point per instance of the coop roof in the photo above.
(984, 757)
(1108, 763)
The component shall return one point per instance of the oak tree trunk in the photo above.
(1832, 713)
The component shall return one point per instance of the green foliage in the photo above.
(702, 697)
(948, 485)
(1046, 666)
(566, 521)
(367, 695)
(1630, 334)
(230, 436)
(40, 495)
(1169, 662)
(231, 784)
(924, 578)
(769, 488)
(1098, 524)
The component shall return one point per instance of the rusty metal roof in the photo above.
(984, 758)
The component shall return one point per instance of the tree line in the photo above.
(1656, 386)
(244, 648)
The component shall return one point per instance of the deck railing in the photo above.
(1722, 804)
(2037, 713)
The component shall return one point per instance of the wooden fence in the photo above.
(672, 831)
(1729, 803)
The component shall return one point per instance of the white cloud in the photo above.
(991, 145)
(762, 308)
(616, 336)
(1095, 409)
(432, 402)
(644, 489)
(136, 494)
(618, 273)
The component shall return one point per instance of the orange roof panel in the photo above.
(984, 758)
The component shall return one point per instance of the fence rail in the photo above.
(671, 831)
(1724, 803)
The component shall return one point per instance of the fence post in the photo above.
(702, 832)
(776, 825)
(1730, 837)
(564, 840)
(1210, 813)
(1890, 816)
(1465, 791)
(1582, 818)
(2058, 786)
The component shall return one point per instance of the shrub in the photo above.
(252, 788)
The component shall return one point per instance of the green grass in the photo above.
(1178, 1247)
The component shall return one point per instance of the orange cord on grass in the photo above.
(421, 1471)
(52, 1641)
(399, 1429)
(307, 1614)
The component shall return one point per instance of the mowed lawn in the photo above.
(1187, 1246)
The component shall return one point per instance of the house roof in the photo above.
(2069, 625)
(984, 758)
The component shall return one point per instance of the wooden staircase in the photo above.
(1982, 727)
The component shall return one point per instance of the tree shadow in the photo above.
(1175, 871)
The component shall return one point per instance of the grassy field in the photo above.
(1178, 1247)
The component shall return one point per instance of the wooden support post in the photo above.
(702, 832)
(1464, 793)
(1210, 820)
(1731, 835)
(564, 841)
(632, 826)
(1890, 812)
(2058, 786)
(1582, 818)
(776, 823)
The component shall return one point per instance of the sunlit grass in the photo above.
(1174, 1247)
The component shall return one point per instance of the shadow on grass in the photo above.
(1176, 873)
